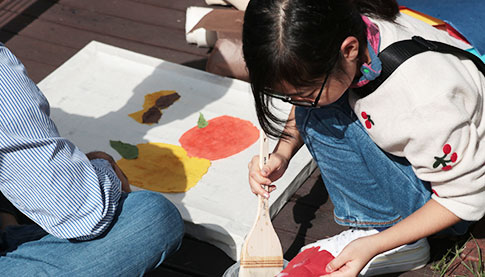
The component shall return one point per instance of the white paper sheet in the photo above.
(92, 94)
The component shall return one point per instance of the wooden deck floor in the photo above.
(46, 33)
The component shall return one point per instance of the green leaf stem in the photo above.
(126, 150)
(202, 123)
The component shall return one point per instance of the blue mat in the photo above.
(466, 16)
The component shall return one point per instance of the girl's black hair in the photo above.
(298, 42)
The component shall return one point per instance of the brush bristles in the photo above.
(259, 272)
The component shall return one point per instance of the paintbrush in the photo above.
(261, 253)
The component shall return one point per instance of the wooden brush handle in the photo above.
(263, 159)
(263, 149)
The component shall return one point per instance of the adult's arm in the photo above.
(44, 175)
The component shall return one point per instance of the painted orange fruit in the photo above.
(223, 137)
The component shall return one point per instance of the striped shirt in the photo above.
(43, 174)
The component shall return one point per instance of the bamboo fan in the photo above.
(261, 253)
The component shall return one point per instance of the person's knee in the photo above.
(166, 224)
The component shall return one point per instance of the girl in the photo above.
(400, 164)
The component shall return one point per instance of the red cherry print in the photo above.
(446, 149)
(368, 124)
(364, 115)
(453, 157)
(444, 160)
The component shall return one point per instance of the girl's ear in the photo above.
(350, 48)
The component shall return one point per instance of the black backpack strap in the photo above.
(397, 53)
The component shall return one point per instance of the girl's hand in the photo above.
(275, 168)
(353, 258)
(427, 220)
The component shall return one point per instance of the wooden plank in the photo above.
(40, 51)
(37, 71)
(180, 5)
(307, 220)
(292, 243)
(18, 5)
(117, 27)
(312, 192)
(137, 12)
(309, 213)
(5, 17)
(307, 186)
(10, 10)
(70, 37)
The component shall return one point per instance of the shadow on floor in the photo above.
(304, 212)
(194, 258)
(27, 16)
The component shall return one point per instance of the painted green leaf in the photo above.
(202, 123)
(126, 150)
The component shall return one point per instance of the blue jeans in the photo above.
(368, 187)
(147, 229)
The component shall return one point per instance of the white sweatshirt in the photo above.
(431, 111)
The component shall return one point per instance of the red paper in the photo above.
(308, 263)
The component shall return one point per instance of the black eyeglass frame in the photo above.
(301, 103)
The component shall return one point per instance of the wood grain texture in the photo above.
(261, 254)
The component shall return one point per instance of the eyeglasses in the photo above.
(302, 103)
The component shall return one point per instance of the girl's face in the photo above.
(334, 85)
